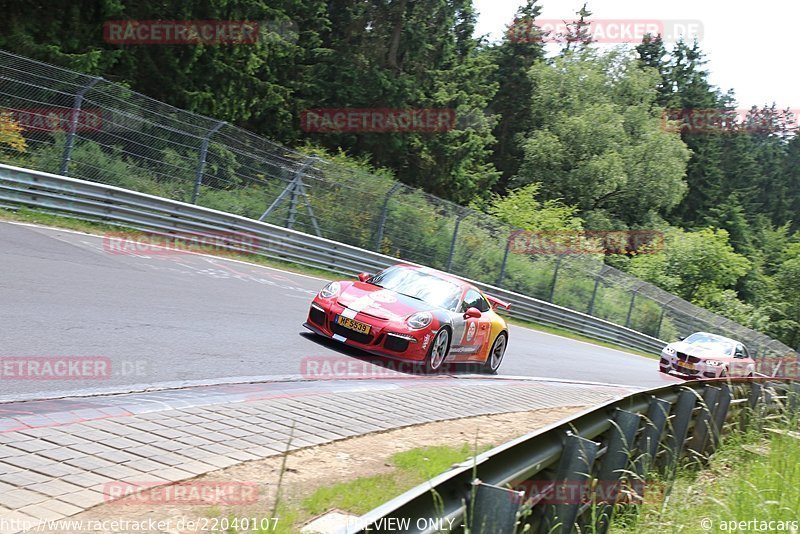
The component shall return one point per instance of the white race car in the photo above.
(704, 355)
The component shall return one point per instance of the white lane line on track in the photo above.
(53, 228)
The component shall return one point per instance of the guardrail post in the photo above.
(496, 507)
(676, 438)
(201, 161)
(654, 424)
(699, 441)
(573, 473)
(384, 214)
(794, 398)
(614, 464)
(752, 405)
(459, 218)
(73, 125)
(720, 414)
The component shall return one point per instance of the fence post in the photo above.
(505, 257)
(630, 308)
(594, 293)
(201, 162)
(555, 278)
(661, 318)
(459, 218)
(290, 189)
(384, 213)
(73, 125)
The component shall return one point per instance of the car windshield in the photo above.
(421, 285)
(708, 342)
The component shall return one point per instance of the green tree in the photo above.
(696, 266)
(514, 56)
(600, 144)
(788, 281)
(404, 54)
(522, 209)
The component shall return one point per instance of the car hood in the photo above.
(701, 351)
(379, 302)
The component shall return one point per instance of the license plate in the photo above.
(686, 365)
(352, 324)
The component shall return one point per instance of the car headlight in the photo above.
(714, 363)
(330, 290)
(669, 350)
(419, 320)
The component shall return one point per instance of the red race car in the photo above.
(413, 313)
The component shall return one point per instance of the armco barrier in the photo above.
(112, 205)
(612, 447)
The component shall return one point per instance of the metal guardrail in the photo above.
(616, 445)
(112, 205)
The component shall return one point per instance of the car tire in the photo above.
(496, 353)
(437, 354)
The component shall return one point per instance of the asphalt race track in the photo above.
(169, 318)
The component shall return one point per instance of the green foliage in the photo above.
(521, 209)
(692, 264)
(599, 143)
(749, 479)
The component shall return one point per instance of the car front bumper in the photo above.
(385, 337)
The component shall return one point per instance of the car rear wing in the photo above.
(497, 303)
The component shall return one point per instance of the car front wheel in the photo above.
(438, 351)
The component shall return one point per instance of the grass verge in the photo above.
(750, 481)
(358, 496)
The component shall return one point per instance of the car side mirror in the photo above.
(472, 313)
(681, 338)
(364, 276)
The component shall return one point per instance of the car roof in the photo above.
(718, 337)
(449, 277)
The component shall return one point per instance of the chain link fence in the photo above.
(89, 128)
